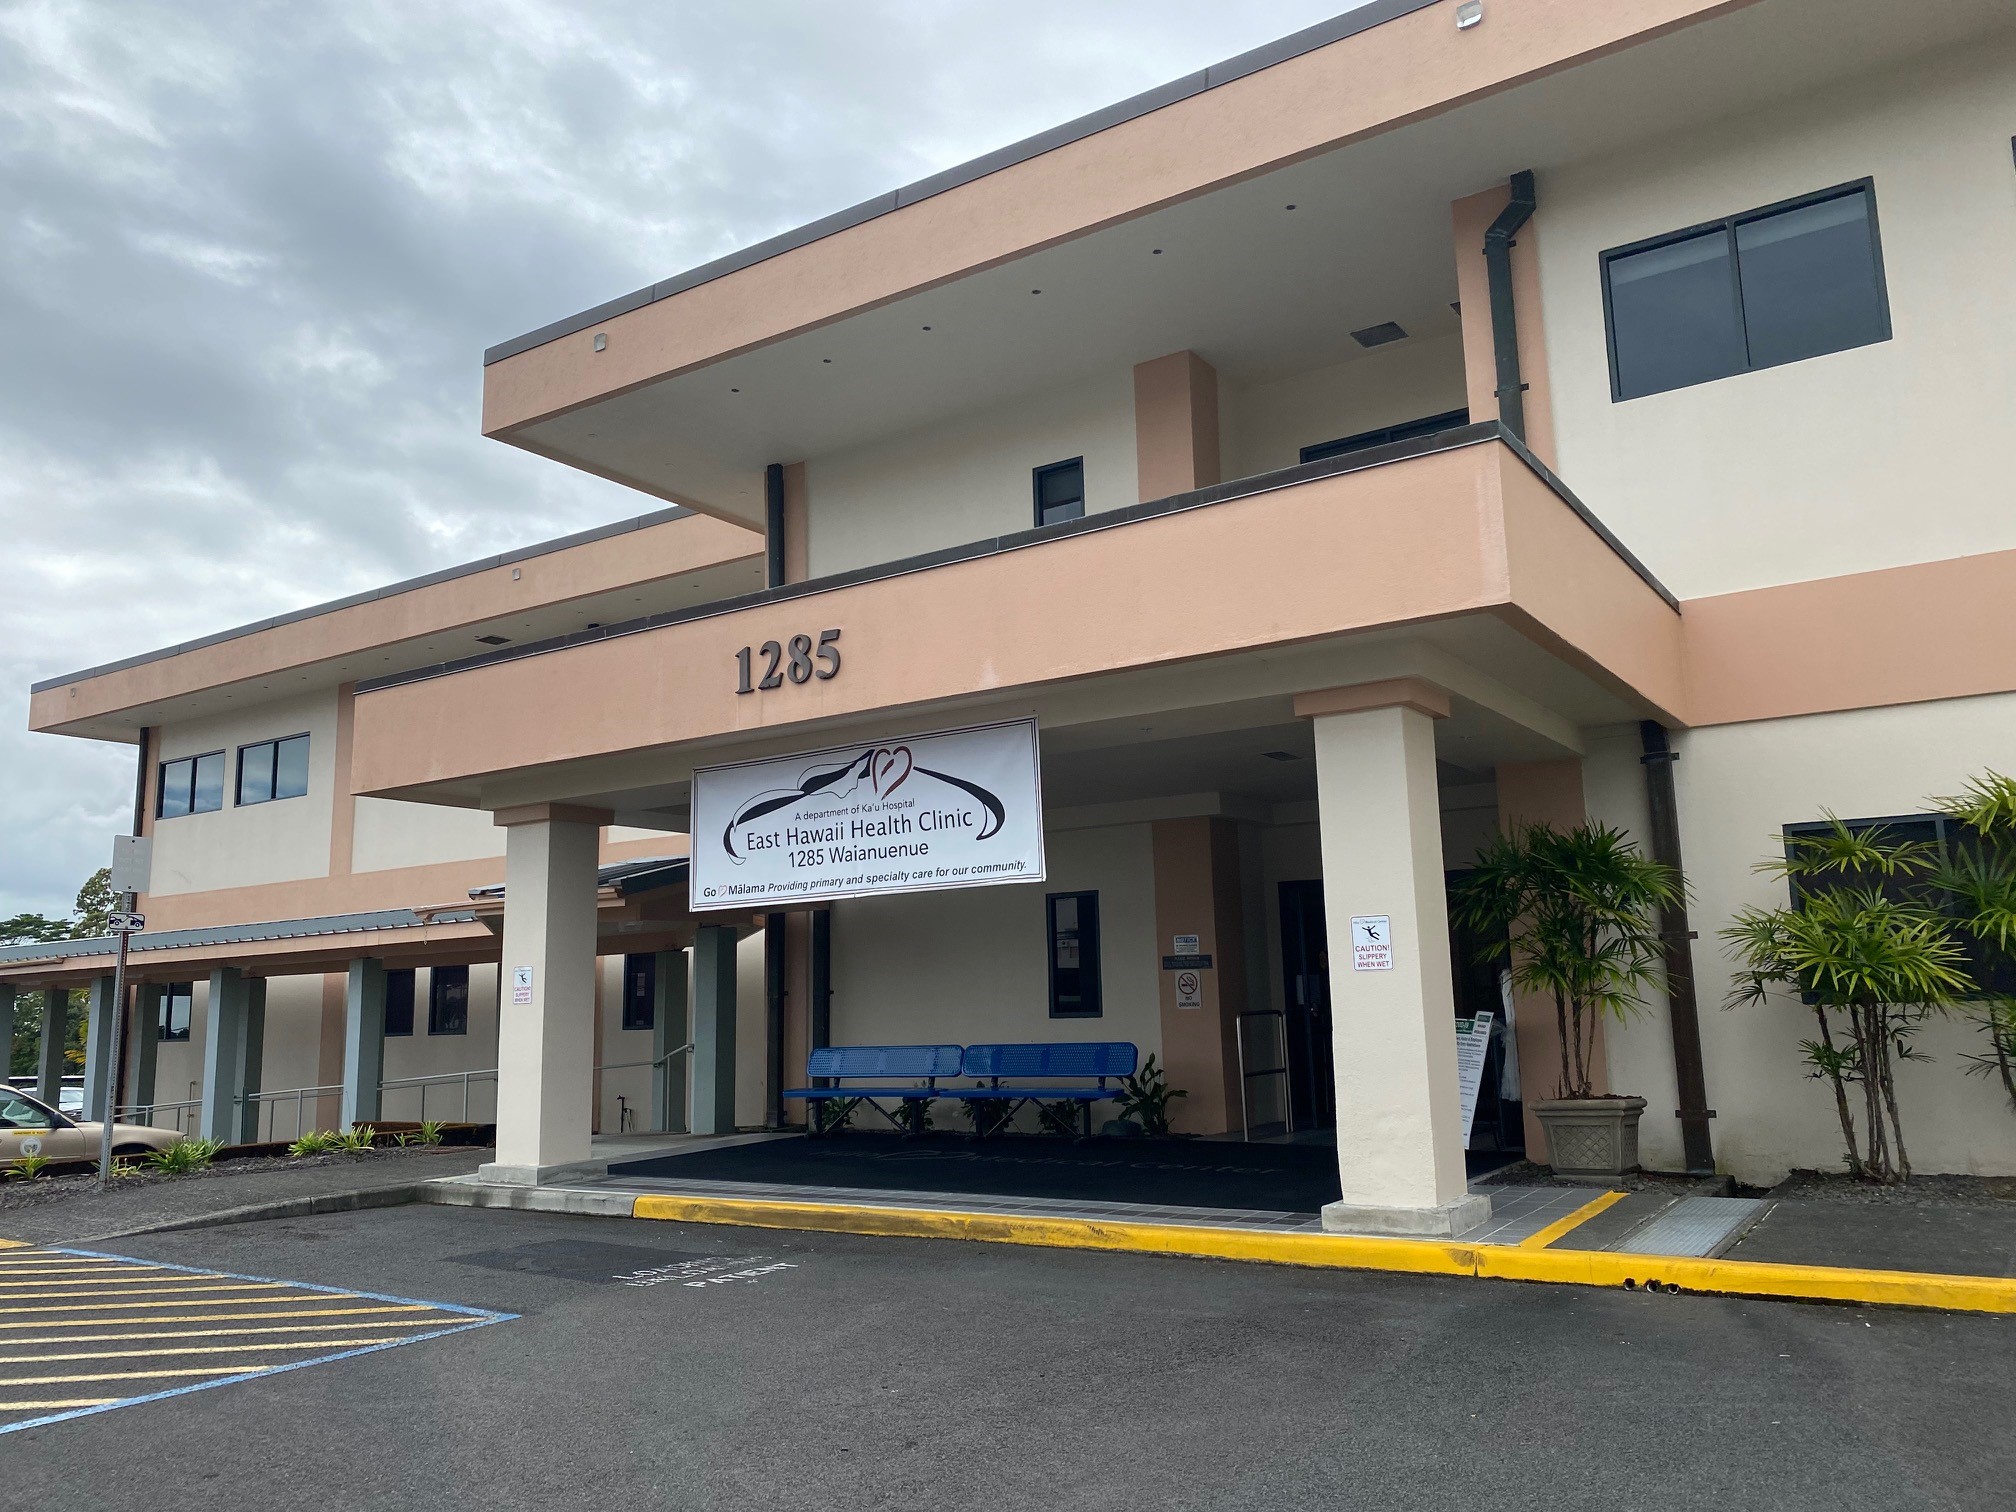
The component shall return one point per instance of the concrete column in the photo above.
(1399, 1139)
(98, 1047)
(668, 1033)
(55, 1033)
(6, 1028)
(1175, 425)
(363, 1042)
(144, 1035)
(233, 1056)
(714, 1031)
(546, 990)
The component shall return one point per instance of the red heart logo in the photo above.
(888, 760)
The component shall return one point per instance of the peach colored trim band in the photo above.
(1393, 693)
(552, 813)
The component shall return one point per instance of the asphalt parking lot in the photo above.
(665, 1365)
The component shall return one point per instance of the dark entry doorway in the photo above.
(1305, 978)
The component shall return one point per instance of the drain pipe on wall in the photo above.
(1504, 317)
(773, 525)
(1683, 1010)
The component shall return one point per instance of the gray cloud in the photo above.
(250, 255)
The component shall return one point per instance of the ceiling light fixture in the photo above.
(1281, 755)
(494, 640)
(601, 341)
(1468, 14)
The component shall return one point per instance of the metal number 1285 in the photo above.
(797, 659)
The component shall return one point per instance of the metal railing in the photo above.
(269, 1110)
(187, 1115)
(463, 1078)
(625, 1114)
(1247, 1076)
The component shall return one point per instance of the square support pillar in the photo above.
(546, 994)
(714, 1030)
(99, 1008)
(144, 1035)
(6, 1027)
(55, 1035)
(363, 1042)
(233, 1054)
(668, 1033)
(1399, 1137)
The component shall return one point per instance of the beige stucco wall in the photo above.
(969, 967)
(389, 833)
(1265, 425)
(1806, 470)
(970, 478)
(281, 841)
(1737, 785)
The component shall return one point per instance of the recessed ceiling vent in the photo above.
(493, 640)
(1280, 755)
(1379, 335)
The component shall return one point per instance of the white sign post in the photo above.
(1371, 943)
(1473, 1043)
(957, 808)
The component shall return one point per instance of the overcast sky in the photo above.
(250, 256)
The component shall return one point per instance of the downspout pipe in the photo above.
(1677, 935)
(1498, 244)
(773, 525)
(139, 829)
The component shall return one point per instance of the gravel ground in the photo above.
(1922, 1191)
(71, 1209)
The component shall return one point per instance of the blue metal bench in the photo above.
(1008, 1074)
(879, 1063)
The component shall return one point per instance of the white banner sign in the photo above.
(1473, 1043)
(960, 808)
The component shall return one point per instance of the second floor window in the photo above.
(191, 785)
(398, 1004)
(448, 1000)
(173, 1025)
(1060, 491)
(273, 769)
(1772, 286)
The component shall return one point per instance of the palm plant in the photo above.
(1980, 883)
(1577, 912)
(1866, 939)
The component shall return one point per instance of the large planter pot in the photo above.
(1593, 1138)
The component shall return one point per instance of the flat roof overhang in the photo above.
(1461, 527)
(910, 310)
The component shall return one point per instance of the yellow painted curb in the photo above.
(1745, 1278)
(1574, 1220)
(6, 1244)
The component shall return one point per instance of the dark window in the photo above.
(398, 1004)
(1074, 955)
(1060, 491)
(640, 991)
(1771, 286)
(173, 1023)
(448, 1000)
(1407, 431)
(273, 769)
(1993, 970)
(191, 785)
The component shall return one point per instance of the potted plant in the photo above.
(1576, 911)
(1867, 943)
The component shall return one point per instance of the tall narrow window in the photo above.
(1776, 285)
(448, 1000)
(191, 785)
(173, 1024)
(1074, 955)
(640, 991)
(398, 1004)
(1060, 491)
(273, 769)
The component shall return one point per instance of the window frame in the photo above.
(434, 985)
(1386, 435)
(1036, 477)
(640, 964)
(161, 784)
(1727, 226)
(238, 798)
(165, 1017)
(411, 978)
(1097, 974)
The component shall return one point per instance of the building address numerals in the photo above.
(798, 660)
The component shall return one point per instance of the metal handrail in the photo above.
(1282, 1071)
(145, 1113)
(283, 1094)
(623, 1114)
(424, 1082)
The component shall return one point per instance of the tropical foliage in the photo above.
(1980, 883)
(1145, 1098)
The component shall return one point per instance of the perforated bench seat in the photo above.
(821, 1094)
(856, 1063)
(1008, 1073)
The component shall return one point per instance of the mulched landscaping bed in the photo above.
(1920, 1191)
(18, 1192)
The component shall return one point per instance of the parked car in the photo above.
(29, 1126)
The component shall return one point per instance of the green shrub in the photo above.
(833, 1114)
(1063, 1118)
(185, 1156)
(913, 1115)
(988, 1114)
(1145, 1097)
(28, 1167)
(314, 1142)
(429, 1132)
(359, 1139)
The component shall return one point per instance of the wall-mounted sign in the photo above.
(1186, 945)
(957, 808)
(1189, 990)
(1186, 963)
(758, 669)
(521, 984)
(1371, 943)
